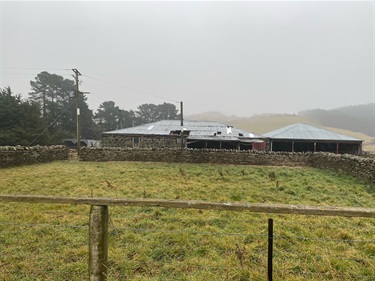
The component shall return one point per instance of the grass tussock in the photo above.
(50, 242)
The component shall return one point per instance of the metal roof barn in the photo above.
(305, 138)
(193, 134)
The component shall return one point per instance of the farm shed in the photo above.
(193, 134)
(84, 142)
(305, 138)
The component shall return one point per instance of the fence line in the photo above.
(43, 225)
(315, 225)
(323, 274)
(194, 232)
(281, 252)
(323, 239)
(291, 271)
(203, 205)
(99, 220)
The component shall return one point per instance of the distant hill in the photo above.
(212, 116)
(356, 118)
(355, 121)
(264, 123)
(259, 124)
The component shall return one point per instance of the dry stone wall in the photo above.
(360, 167)
(113, 140)
(20, 155)
(357, 166)
(213, 156)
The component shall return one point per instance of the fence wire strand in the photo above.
(322, 239)
(324, 274)
(120, 224)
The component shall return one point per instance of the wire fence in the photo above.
(151, 243)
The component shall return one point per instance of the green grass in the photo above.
(50, 242)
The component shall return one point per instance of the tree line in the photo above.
(49, 114)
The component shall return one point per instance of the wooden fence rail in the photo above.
(204, 205)
(98, 225)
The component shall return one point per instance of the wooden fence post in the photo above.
(98, 239)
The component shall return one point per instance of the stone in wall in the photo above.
(20, 155)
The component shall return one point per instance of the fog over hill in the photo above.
(357, 120)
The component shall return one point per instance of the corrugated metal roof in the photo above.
(197, 129)
(306, 132)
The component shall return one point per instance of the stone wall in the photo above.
(360, 167)
(19, 155)
(213, 156)
(356, 166)
(117, 140)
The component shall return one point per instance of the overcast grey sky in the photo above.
(240, 58)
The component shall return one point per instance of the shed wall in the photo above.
(124, 141)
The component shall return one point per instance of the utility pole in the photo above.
(182, 123)
(119, 123)
(77, 74)
(182, 113)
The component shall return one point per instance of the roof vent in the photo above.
(175, 133)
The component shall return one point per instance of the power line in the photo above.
(90, 77)
(31, 74)
(33, 68)
(128, 88)
(98, 97)
(51, 123)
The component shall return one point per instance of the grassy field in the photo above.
(50, 242)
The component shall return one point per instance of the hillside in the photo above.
(259, 124)
(263, 123)
(356, 118)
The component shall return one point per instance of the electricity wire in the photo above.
(90, 77)
(34, 68)
(51, 123)
(128, 88)
(31, 74)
